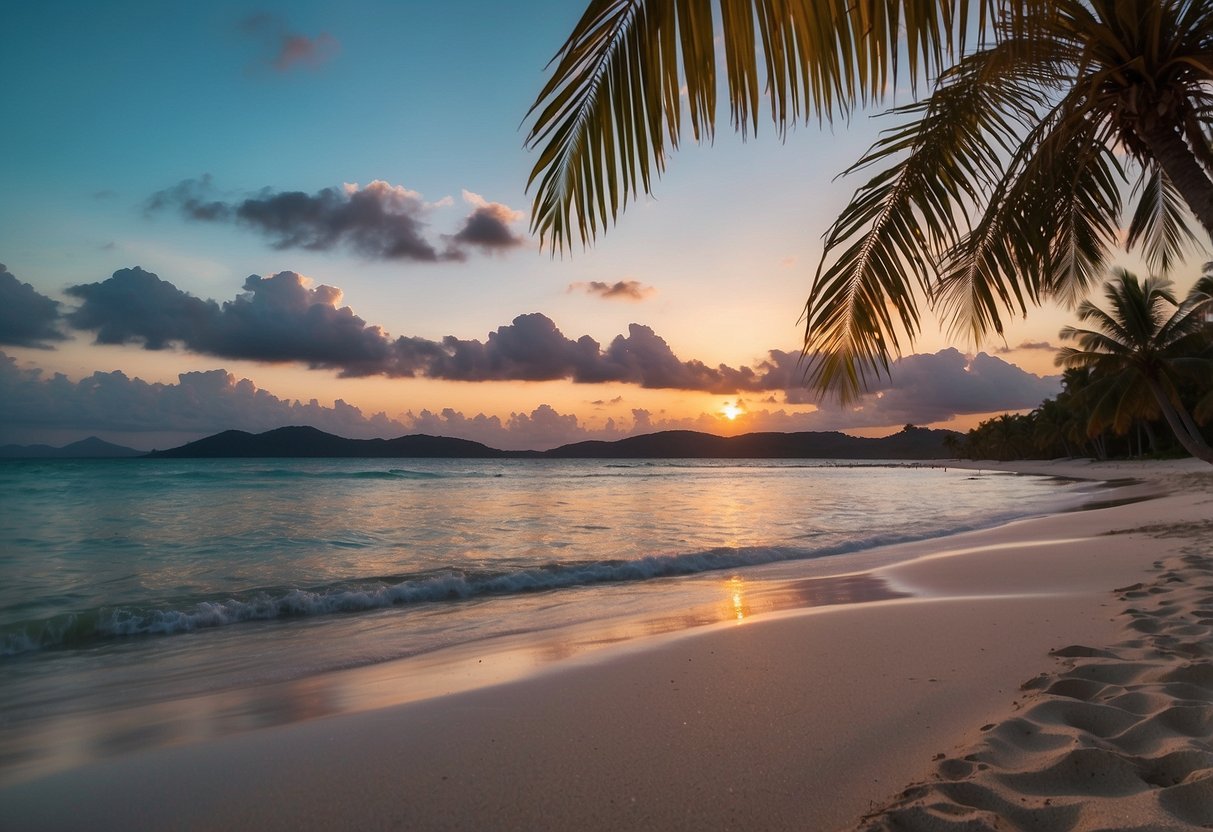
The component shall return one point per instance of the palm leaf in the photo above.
(1048, 224)
(613, 108)
(1160, 223)
(887, 243)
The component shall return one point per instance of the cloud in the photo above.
(284, 318)
(928, 388)
(488, 226)
(380, 221)
(137, 306)
(203, 403)
(1044, 346)
(27, 318)
(200, 403)
(620, 290)
(276, 319)
(285, 50)
(542, 428)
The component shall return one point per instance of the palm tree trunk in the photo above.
(1193, 444)
(1188, 176)
(1189, 423)
(1151, 437)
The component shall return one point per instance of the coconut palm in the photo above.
(1001, 188)
(1138, 351)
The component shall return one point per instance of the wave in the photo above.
(89, 627)
(228, 475)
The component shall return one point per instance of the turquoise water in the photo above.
(134, 583)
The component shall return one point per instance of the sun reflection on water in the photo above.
(736, 589)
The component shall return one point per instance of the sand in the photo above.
(1055, 673)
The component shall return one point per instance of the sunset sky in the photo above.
(214, 214)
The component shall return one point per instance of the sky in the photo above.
(248, 215)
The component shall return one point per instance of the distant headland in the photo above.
(310, 443)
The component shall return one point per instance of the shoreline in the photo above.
(805, 718)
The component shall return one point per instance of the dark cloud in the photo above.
(285, 50)
(646, 359)
(532, 348)
(193, 198)
(27, 318)
(276, 319)
(135, 306)
(619, 290)
(380, 221)
(488, 226)
(928, 388)
(1045, 346)
(284, 319)
(281, 319)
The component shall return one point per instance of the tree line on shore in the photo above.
(1139, 383)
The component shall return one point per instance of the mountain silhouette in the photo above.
(91, 448)
(910, 443)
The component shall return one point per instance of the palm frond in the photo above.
(613, 108)
(1160, 223)
(606, 113)
(886, 243)
(1048, 224)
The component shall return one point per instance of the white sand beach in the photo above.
(1054, 673)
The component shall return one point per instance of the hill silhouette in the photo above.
(91, 448)
(303, 441)
(299, 441)
(910, 443)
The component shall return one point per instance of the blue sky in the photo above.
(108, 105)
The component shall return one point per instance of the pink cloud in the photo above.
(285, 50)
(620, 290)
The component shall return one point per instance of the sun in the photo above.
(731, 411)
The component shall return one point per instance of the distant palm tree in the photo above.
(1049, 429)
(1139, 350)
(1000, 189)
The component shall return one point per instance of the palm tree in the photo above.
(1077, 402)
(1049, 429)
(1000, 189)
(1138, 351)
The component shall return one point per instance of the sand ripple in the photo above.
(1117, 738)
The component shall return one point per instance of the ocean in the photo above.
(151, 602)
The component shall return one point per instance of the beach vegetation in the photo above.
(1042, 130)
(1145, 356)
(1139, 350)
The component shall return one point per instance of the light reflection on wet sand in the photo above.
(77, 738)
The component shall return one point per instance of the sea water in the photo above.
(146, 602)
